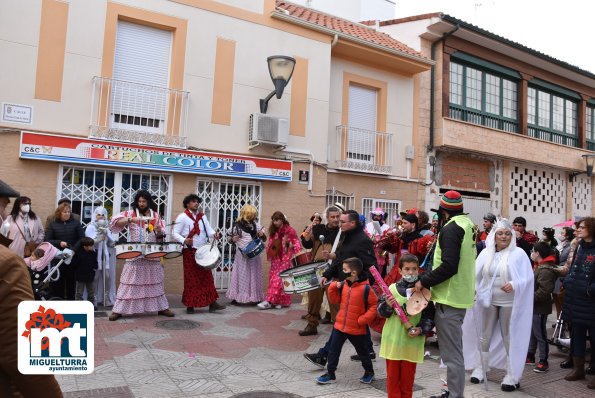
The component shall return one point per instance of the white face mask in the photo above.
(410, 278)
(25, 208)
(101, 223)
(534, 256)
(561, 238)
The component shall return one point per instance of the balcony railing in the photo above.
(138, 113)
(482, 119)
(552, 136)
(364, 150)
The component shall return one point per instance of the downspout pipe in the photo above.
(432, 83)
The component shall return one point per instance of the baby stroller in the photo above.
(42, 273)
(560, 337)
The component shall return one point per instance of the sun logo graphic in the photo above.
(56, 337)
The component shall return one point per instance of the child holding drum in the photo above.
(282, 246)
(357, 309)
(403, 348)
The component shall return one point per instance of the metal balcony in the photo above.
(138, 113)
(364, 150)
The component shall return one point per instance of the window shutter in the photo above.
(142, 56)
(362, 116)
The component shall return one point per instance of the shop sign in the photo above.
(104, 153)
(15, 113)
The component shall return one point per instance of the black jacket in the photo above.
(450, 240)
(70, 232)
(84, 264)
(426, 322)
(354, 243)
(579, 286)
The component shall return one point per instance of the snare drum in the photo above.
(155, 250)
(129, 250)
(302, 258)
(172, 249)
(304, 278)
(254, 248)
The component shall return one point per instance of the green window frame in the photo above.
(590, 127)
(483, 96)
(552, 111)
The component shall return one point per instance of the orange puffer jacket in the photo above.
(353, 317)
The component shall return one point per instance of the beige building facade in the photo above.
(509, 127)
(105, 98)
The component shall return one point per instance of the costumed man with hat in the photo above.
(452, 283)
(488, 222)
(375, 229)
(192, 229)
(6, 192)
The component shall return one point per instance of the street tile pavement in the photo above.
(243, 349)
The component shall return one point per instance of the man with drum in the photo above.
(192, 229)
(353, 243)
(311, 239)
(142, 281)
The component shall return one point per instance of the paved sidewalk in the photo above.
(243, 349)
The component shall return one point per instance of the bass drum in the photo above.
(304, 278)
(207, 256)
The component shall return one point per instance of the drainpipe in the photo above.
(432, 84)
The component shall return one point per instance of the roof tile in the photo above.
(345, 26)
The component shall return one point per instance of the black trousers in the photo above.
(65, 287)
(578, 335)
(359, 341)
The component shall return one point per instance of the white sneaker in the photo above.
(278, 306)
(264, 305)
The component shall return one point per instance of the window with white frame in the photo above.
(361, 144)
(391, 207)
(139, 97)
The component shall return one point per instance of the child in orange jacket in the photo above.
(357, 309)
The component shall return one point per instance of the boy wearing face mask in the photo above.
(403, 349)
(357, 309)
(545, 278)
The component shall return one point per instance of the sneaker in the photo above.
(327, 379)
(530, 361)
(367, 378)
(541, 367)
(316, 359)
(264, 305)
(278, 306)
(357, 357)
(443, 394)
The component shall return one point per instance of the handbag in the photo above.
(30, 246)
(483, 295)
(5, 241)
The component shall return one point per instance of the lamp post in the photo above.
(280, 69)
(589, 162)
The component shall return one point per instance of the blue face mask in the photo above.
(410, 278)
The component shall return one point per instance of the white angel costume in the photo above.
(496, 332)
(105, 277)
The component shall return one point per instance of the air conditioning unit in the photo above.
(270, 130)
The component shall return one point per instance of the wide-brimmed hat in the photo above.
(6, 191)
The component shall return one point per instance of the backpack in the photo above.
(366, 294)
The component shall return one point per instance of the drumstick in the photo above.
(388, 293)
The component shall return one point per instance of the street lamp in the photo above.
(280, 69)
(589, 161)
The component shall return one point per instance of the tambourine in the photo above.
(418, 301)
